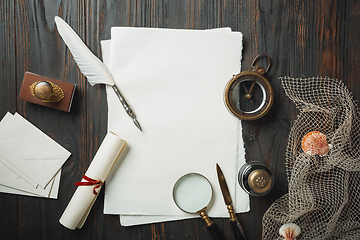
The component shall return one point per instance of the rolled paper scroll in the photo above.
(85, 195)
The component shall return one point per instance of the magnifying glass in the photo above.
(193, 193)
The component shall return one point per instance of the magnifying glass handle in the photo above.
(237, 230)
(215, 233)
(211, 227)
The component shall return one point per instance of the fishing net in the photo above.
(323, 196)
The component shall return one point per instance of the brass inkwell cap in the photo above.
(255, 178)
(259, 180)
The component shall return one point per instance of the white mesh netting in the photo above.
(323, 192)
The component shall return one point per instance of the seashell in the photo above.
(290, 231)
(315, 143)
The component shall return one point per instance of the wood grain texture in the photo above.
(303, 39)
(8, 203)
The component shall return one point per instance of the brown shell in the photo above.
(315, 143)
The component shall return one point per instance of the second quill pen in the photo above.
(91, 66)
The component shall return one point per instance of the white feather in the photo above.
(91, 66)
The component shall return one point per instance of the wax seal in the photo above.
(255, 178)
(46, 91)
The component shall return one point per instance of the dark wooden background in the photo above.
(303, 39)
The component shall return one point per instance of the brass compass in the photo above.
(249, 95)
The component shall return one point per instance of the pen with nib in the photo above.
(92, 67)
(126, 106)
(234, 221)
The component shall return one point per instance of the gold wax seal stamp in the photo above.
(46, 91)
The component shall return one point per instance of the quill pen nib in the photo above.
(137, 124)
(126, 106)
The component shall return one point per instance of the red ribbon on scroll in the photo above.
(90, 182)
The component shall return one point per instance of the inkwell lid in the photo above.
(260, 181)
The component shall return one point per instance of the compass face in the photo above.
(248, 95)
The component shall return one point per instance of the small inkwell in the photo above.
(255, 178)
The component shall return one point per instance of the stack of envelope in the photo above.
(30, 161)
(174, 81)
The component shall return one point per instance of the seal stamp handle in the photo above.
(46, 91)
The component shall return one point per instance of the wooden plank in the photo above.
(7, 48)
(41, 50)
(8, 203)
(348, 35)
(262, 24)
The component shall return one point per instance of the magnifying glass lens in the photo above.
(192, 193)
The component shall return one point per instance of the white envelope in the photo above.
(181, 133)
(30, 153)
(12, 183)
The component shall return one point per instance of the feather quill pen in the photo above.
(92, 67)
